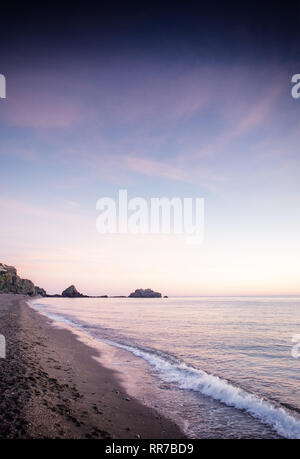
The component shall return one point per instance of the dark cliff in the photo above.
(10, 282)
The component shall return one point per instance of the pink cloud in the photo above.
(41, 111)
(45, 98)
(258, 113)
(244, 121)
(198, 175)
(18, 207)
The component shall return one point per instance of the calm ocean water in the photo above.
(221, 367)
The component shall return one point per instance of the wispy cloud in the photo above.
(42, 111)
(158, 169)
(21, 208)
(170, 125)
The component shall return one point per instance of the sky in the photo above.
(162, 100)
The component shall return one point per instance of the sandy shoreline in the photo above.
(52, 387)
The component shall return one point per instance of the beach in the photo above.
(190, 358)
(52, 387)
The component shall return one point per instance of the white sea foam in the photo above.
(186, 377)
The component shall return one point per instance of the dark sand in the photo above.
(51, 387)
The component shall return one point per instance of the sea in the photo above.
(221, 367)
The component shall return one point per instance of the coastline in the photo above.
(51, 386)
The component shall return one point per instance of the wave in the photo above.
(186, 377)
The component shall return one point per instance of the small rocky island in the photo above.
(10, 282)
(72, 292)
(147, 293)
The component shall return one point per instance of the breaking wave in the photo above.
(186, 377)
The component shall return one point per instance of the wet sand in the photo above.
(52, 387)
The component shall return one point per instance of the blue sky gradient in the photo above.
(202, 115)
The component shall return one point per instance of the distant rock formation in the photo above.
(72, 292)
(40, 291)
(10, 282)
(147, 293)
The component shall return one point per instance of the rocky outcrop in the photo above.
(27, 287)
(72, 292)
(147, 293)
(40, 291)
(10, 282)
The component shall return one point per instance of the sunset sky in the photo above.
(160, 101)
